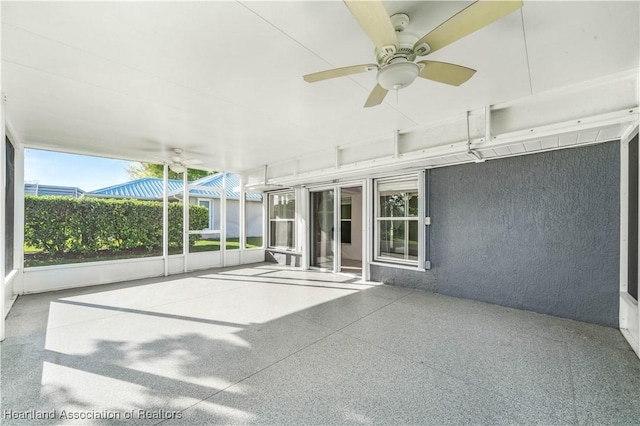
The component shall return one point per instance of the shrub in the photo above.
(87, 225)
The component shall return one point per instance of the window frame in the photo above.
(417, 185)
(209, 201)
(270, 220)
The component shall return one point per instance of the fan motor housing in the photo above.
(406, 41)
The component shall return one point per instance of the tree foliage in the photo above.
(141, 170)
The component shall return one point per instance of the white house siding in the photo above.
(253, 213)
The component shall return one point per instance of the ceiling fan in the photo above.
(180, 165)
(396, 50)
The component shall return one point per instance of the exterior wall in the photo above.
(253, 215)
(537, 232)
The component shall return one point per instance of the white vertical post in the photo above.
(3, 175)
(624, 221)
(242, 225)
(266, 223)
(165, 219)
(396, 143)
(487, 123)
(303, 242)
(185, 218)
(223, 220)
(18, 218)
(337, 231)
(422, 241)
(367, 228)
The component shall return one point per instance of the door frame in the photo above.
(629, 313)
(337, 237)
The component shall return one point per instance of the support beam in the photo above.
(223, 220)
(476, 157)
(396, 143)
(185, 219)
(165, 219)
(487, 123)
(242, 225)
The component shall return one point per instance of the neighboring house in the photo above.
(152, 189)
(62, 191)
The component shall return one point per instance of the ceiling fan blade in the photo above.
(374, 20)
(376, 97)
(338, 72)
(470, 19)
(445, 72)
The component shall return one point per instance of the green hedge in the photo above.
(88, 225)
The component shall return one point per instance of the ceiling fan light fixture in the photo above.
(177, 168)
(398, 75)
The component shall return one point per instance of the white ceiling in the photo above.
(223, 80)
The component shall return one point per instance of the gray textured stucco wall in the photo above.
(538, 232)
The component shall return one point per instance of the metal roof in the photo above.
(150, 188)
(61, 191)
(142, 189)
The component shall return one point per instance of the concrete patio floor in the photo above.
(271, 345)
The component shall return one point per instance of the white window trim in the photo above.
(392, 261)
(267, 243)
(211, 211)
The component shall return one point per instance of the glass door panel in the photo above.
(322, 229)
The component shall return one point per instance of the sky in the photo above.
(87, 173)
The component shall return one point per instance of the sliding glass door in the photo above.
(322, 229)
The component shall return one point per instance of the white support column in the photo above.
(223, 221)
(396, 143)
(367, 228)
(624, 223)
(265, 220)
(337, 231)
(303, 245)
(422, 241)
(3, 174)
(185, 219)
(242, 225)
(18, 217)
(487, 123)
(165, 219)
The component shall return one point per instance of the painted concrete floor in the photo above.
(270, 345)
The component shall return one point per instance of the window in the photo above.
(282, 222)
(9, 206)
(207, 205)
(345, 220)
(397, 221)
